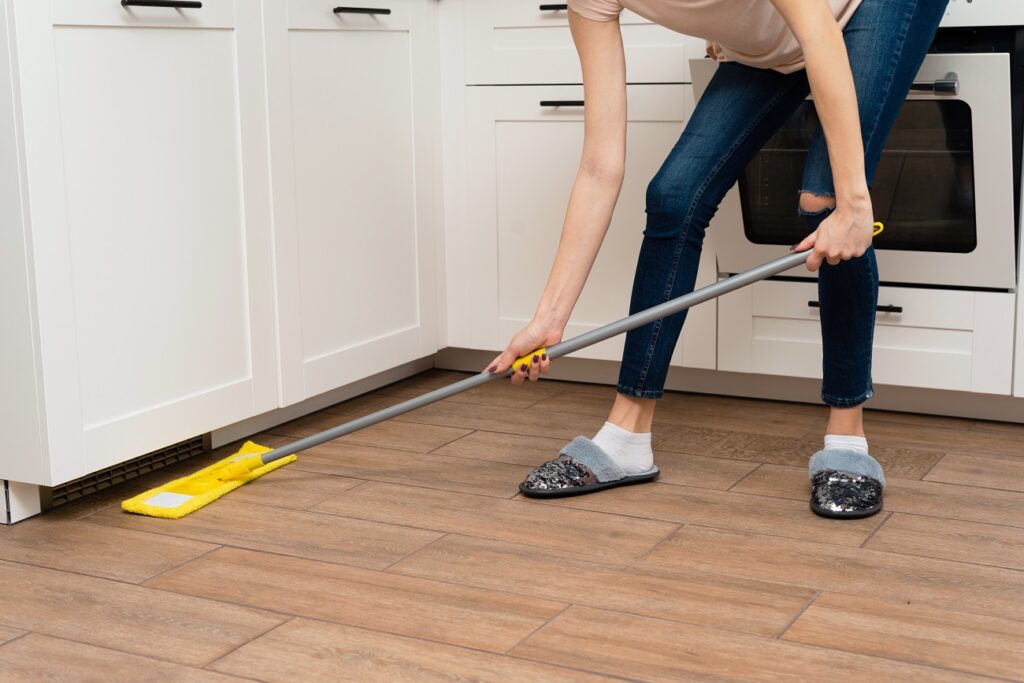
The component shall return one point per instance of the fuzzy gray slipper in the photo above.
(581, 467)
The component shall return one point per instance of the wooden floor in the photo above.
(403, 553)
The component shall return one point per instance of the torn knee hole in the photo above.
(813, 203)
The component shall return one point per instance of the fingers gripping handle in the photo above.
(526, 360)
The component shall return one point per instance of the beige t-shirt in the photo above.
(750, 32)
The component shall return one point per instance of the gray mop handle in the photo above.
(566, 347)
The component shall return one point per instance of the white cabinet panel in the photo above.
(213, 14)
(943, 339)
(388, 15)
(520, 168)
(351, 119)
(515, 41)
(155, 217)
(147, 173)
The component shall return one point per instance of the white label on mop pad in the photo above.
(166, 499)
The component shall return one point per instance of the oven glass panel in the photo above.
(923, 189)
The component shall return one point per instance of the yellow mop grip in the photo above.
(528, 358)
(240, 467)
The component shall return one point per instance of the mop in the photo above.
(183, 496)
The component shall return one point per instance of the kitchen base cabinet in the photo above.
(940, 339)
(137, 298)
(521, 162)
(353, 109)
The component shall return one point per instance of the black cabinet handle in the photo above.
(361, 10)
(175, 4)
(553, 8)
(561, 103)
(883, 308)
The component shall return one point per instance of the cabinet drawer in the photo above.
(941, 339)
(353, 15)
(212, 14)
(515, 41)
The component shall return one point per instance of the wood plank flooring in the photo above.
(405, 553)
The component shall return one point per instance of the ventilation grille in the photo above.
(97, 481)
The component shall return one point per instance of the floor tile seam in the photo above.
(228, 544)
(423, 486)
(744, 478)
(238, 647)
(919, 663)
(596, 513)
(879, 523)
(791, 642)
(807, 605)
(685, 522)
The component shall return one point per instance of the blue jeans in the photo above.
(743, 106)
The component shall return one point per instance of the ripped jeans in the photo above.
(743, 106)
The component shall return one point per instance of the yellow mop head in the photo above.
(182, 496)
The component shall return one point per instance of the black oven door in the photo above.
(923, 189)
(944, 187)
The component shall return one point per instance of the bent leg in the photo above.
(848, 291)
(740, 110)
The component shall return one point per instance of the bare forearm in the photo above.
(591, 204)
(835, 99)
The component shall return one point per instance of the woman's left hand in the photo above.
(844, 234)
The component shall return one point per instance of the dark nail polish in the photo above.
(523, 367)
(544, 356)
(536, 358)
(492, 369)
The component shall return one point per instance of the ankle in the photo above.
(632, 414)
(846, 422)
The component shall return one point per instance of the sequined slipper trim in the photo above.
(581, 467)
(845, 495)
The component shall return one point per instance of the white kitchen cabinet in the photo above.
(942, 339)
(353, 108)
(528, 41)
(521, 161)
(136, 231)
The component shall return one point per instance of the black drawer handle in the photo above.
(361, 10)
(883, 308)
(175, 4)
(561, 103)
(553, 8)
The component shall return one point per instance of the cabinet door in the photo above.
(148, 184)
(521, 164)
(528, 41)
(352, 115)
(929, 338)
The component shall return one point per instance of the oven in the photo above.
(948, 185)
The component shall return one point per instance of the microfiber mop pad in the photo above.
(182, 496)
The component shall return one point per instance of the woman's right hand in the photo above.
(534, 336)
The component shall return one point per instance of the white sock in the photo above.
(857, 443)
(630, 450)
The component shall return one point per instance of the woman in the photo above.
(858, 59)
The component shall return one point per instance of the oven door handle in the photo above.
(950, 84)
